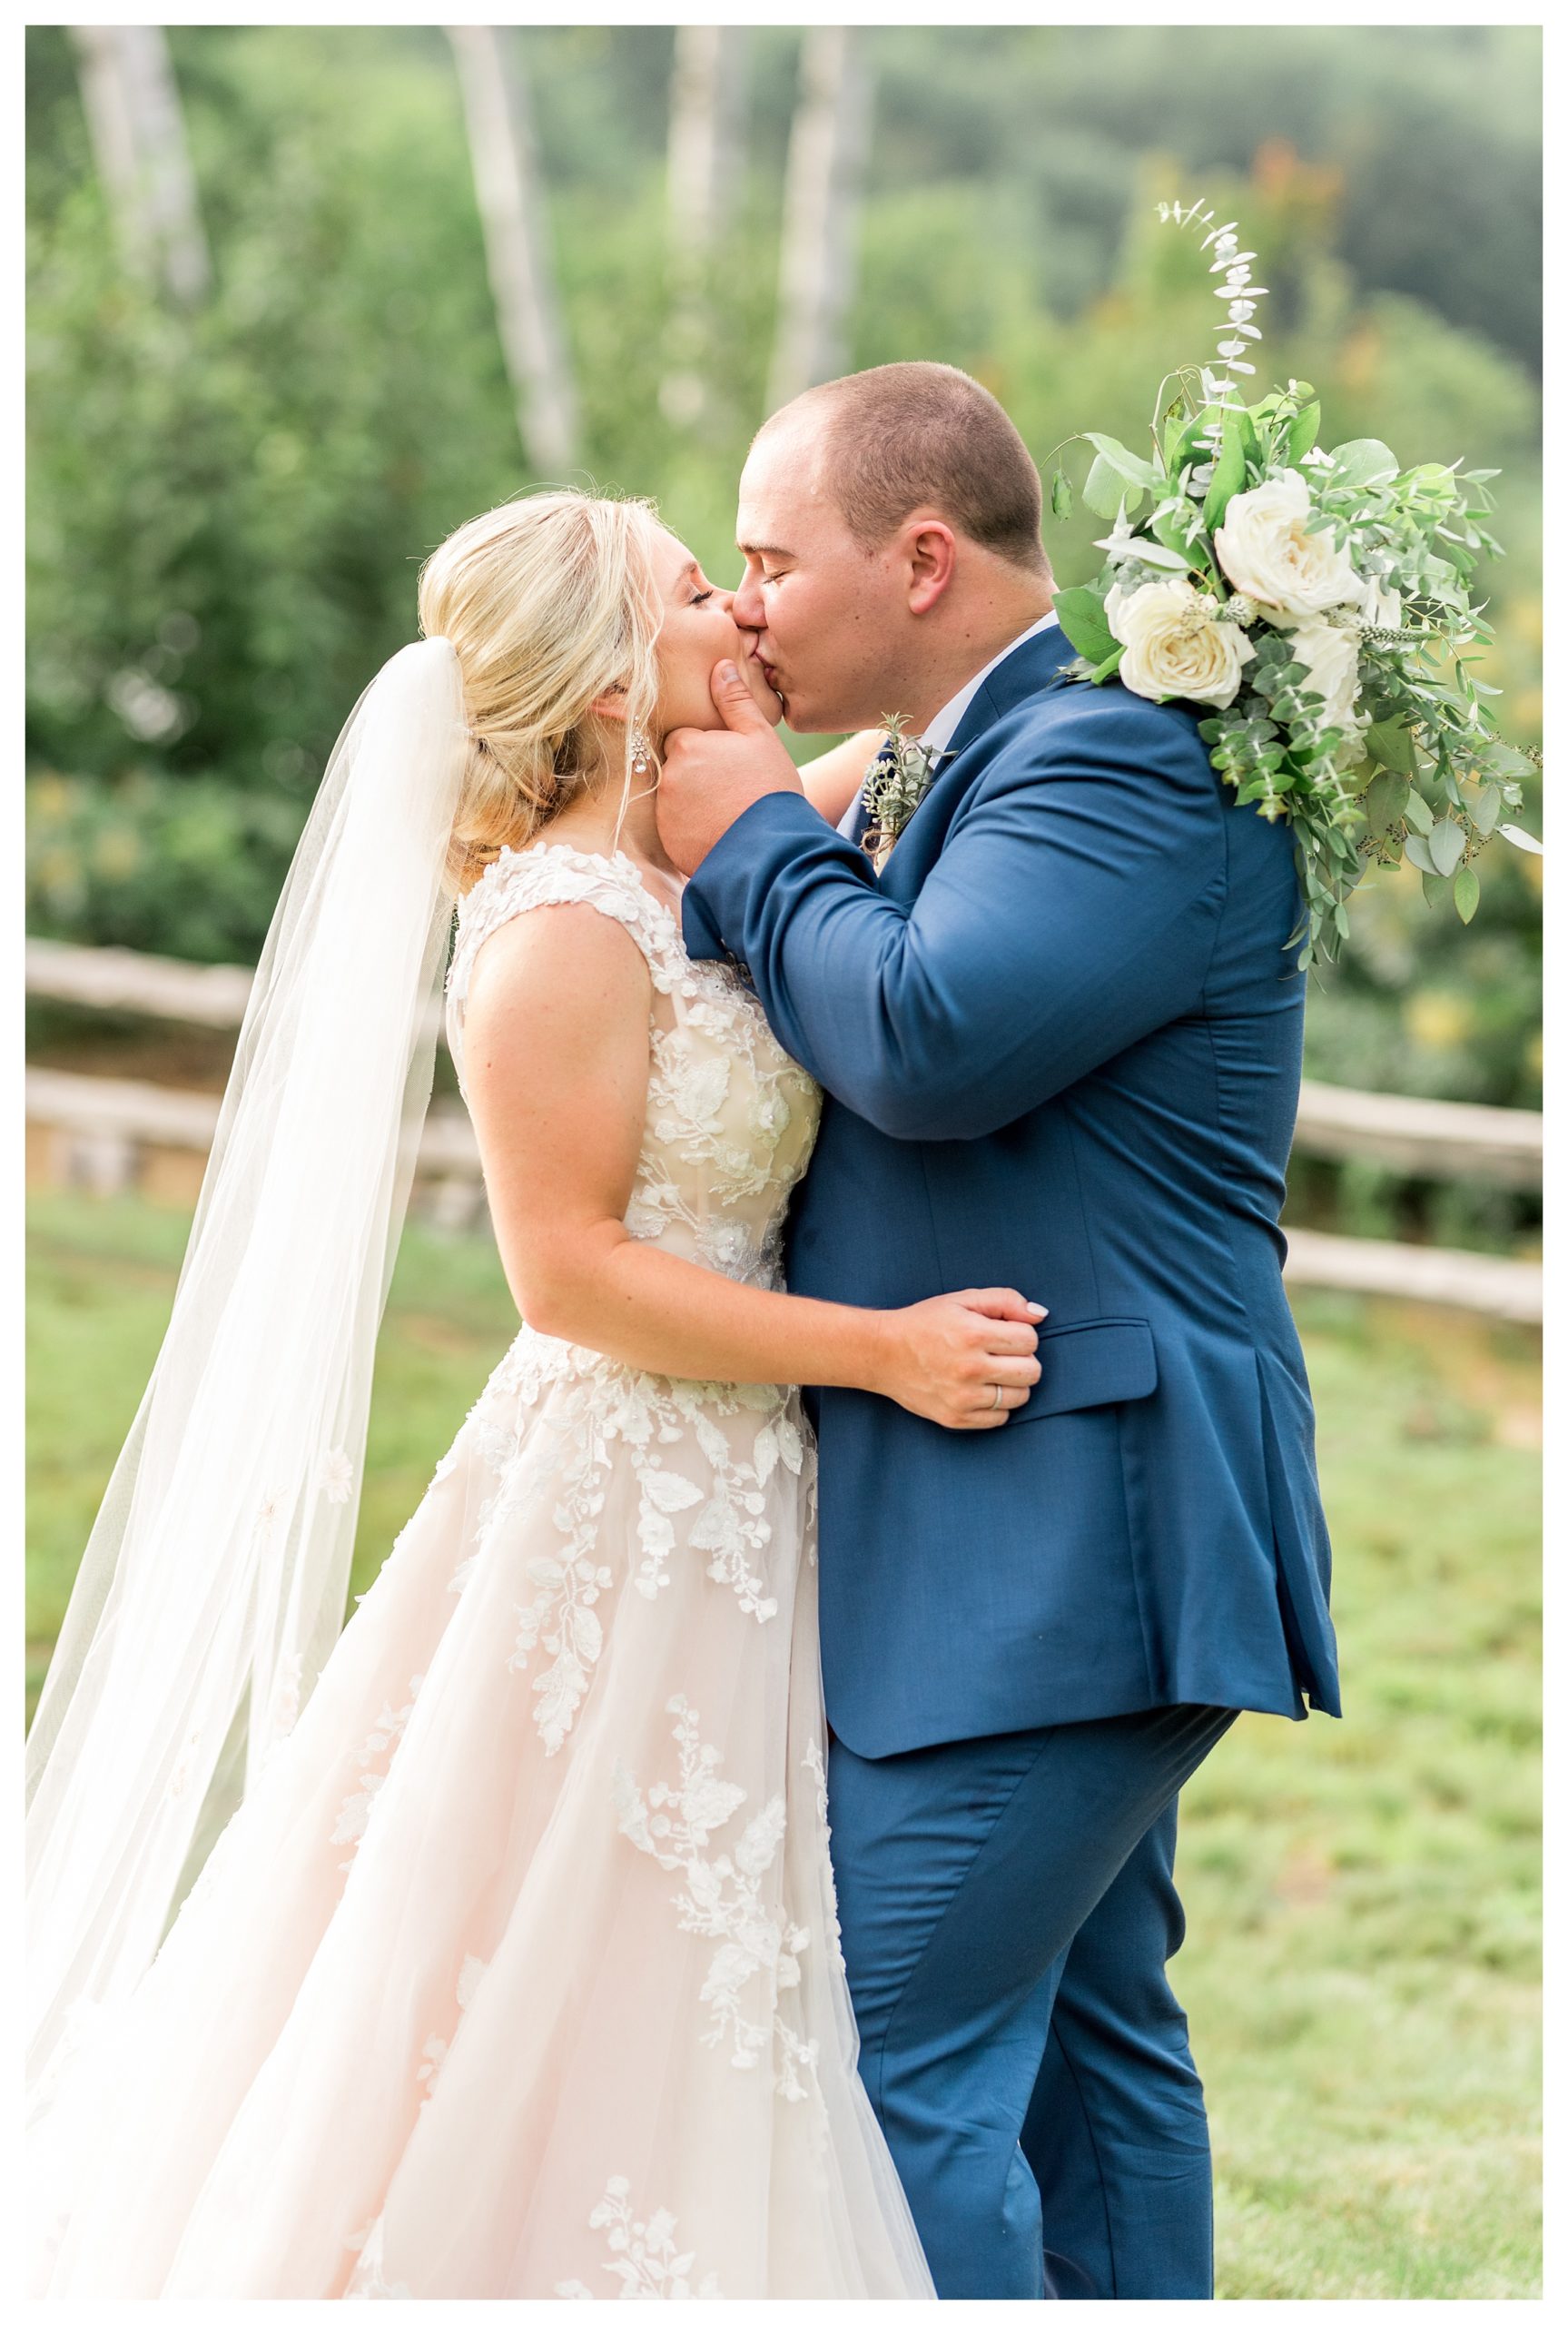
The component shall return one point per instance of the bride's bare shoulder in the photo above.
(569, 958)
(555, 1039)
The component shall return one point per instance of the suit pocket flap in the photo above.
(1109, 1361)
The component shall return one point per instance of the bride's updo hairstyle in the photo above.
(549, 602)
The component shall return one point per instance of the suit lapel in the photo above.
(1031, 669)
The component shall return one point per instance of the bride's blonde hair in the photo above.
(549, 602)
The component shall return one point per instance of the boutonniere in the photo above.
(896, 781)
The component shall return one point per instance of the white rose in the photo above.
(1380, 608)
(1333, 669)
(1267, 551)
(1174, 646)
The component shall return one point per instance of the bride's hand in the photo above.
(946, 1358)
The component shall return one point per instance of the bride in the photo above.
(516, 1975)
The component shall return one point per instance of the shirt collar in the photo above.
(947, 719)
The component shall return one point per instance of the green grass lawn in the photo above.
(1362, 1963)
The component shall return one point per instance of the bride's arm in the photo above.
(556, 1053)
(831, 781)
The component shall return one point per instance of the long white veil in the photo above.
(214, 1584)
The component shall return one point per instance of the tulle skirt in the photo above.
(518, 1974)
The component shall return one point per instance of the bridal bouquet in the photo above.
(1319, 602)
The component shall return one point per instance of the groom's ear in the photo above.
(930, 554)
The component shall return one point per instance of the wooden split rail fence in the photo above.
(97, 1132)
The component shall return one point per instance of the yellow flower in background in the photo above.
(1524, 619)
(116, 853)
(57, 874)
(1438, 1021)
(51, 797)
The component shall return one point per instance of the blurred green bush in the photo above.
(227, 510)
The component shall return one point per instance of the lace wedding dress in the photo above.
(518, 1974)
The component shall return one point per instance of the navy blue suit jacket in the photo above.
(1061, 1043)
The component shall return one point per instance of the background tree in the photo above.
(132, 109)
(827, 153)
(707, 107)
(228, 505)
(512, 212)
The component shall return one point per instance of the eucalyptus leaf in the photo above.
(1417, 852)
(1385, 801)
(1466, 893)
(1488, 807)
(1364, 460)
(1191, 446)
(1434, 887)
(1519, 837)
(1105, 488)
(1178, 526)
(1417, 812)
(1127, 464)
(1081, 613)
(1390, 745)
(1302, 432)
(1433, 482)
(1445, 846)
(1230, 476)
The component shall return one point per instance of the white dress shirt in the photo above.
(947, 719)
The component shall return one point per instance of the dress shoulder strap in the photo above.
(552, 872)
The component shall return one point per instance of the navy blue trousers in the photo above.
(1008, 1909)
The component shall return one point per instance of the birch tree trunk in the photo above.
(707, 109)
(825, 172)
(511, 202)
(138, 136)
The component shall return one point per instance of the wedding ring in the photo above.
(997, 1406)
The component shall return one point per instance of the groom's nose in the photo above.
(746, 604)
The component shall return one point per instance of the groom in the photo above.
(1060, 1037)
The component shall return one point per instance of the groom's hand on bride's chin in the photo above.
(711, 775)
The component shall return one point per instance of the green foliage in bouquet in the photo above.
(1319, 603)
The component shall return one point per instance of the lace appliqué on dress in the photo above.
(721, 1899)
(604, 1415)
(354, 1816)
(646, 2261)
(437, 2046)
(369, 2281)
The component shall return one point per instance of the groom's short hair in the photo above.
(906, 436)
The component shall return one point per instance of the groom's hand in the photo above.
(711, 775)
